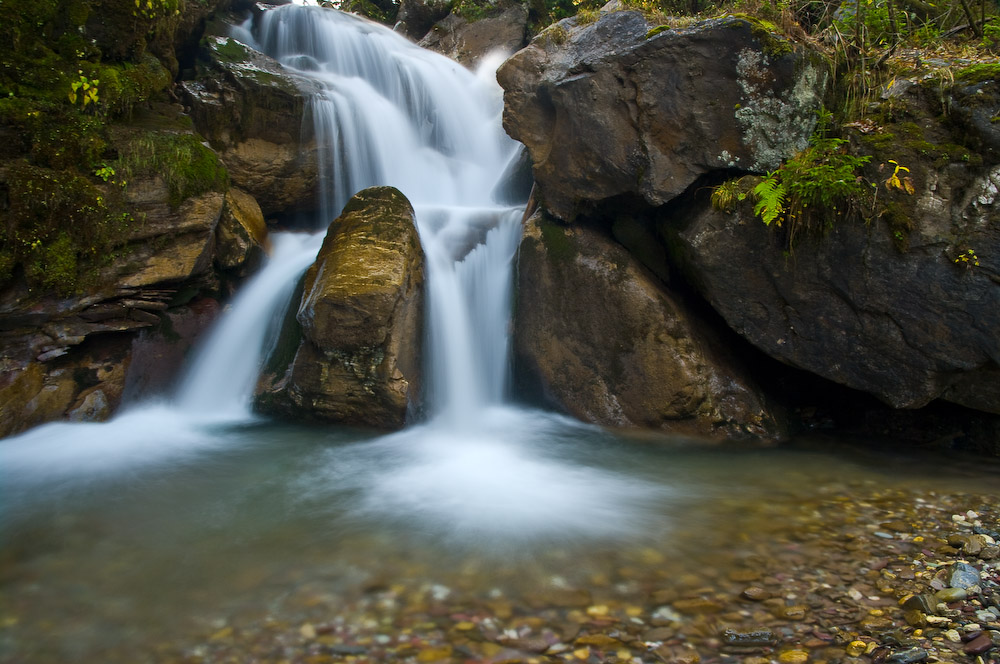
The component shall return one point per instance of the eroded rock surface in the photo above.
(505, 30)
(358, 361)
(604, 341)
(617, 108)
(250, 108)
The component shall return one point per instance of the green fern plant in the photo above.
(770, 194)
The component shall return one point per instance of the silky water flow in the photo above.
(384, 112)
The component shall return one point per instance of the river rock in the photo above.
(622, 108)
(596, 335)
(250, 108)
(467, 42)
(358, 361)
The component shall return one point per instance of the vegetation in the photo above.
(73, 72)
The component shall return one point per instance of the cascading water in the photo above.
(386, 113)
(391, 113)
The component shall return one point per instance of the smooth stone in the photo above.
(978, 645)
(951, 594)
(923, 602)
(963, 575)
(752, 638)
(908, 656)
(793, 657)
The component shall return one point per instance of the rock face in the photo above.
(416, 17)
(849, 306)
(603, 341)
(241, 236)
(657, 109)
(468, 42)
(358, 361)
(250, 108)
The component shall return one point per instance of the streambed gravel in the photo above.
(856, 574)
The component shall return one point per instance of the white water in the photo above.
(388, 113)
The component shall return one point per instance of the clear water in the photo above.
(228, 551)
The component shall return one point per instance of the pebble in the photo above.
(752, 638)
(978, 645)
(793, 657)
(922, 602)
(951, 594)
(856, 648)
(952, 635)
(908, 656)
(755, 594)
(963, 575)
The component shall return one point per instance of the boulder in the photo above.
(600, 338)
(906, 326)
(468, 42)
(358, 361)
(250, 108)
(658, 107)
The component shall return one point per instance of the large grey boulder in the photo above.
(907, 327)
(620, 108)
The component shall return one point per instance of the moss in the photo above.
(557, 242)
(979, 73)
(884, 140)
(900, 224)
(657, 30)
(188, 167)
(230, 51)
(767, 33)
(59, 228)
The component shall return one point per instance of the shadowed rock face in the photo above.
(612, 109)
(602, 340)
(358, 361)
(848, 306)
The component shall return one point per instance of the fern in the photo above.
(770, 195)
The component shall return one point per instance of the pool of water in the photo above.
(255, 540)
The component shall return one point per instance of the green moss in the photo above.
(900, 224)
(557, 242)
(188, 167)
(979, 73)
(884, 140)
(768, 34)
(657, 30)
(231, 51)
(59, 227)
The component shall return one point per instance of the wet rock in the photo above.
(504, 30)
(922, 602)
(415, 17)
(963, 576)
(978, 645)
(241, 235)
(596, 335)
(755, 593)
(250, 108)
(752, 638)
(907, 656)
(360, 316)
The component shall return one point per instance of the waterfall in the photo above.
(391, 113)
(224, 371)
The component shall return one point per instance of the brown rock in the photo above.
(241, 236)
(598, 336)
(359, 358)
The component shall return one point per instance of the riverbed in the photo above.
(537, 539)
